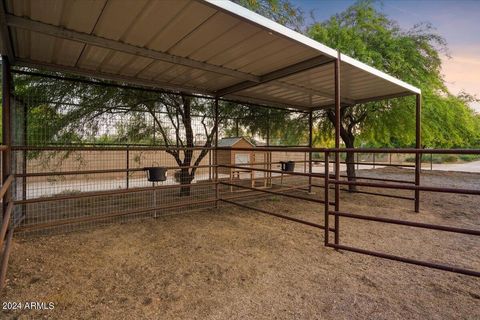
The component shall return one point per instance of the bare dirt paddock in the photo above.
(232, 263)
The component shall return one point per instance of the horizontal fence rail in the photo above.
(427, 264)
(104, 148)
(406, 223)
(407, 187)
(331, 180)
(396, 186)
(68, 173)
(359, 150)
(329, 175)
(111, 215)
(312, 224)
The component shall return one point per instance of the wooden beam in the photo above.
(90, 39)
(277, 74)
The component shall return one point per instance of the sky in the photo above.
(458, 21)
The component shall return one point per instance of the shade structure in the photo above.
(210, 47)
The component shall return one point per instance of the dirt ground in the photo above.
(232, 263)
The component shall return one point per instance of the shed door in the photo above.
(242, 158)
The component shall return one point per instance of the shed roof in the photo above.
(230, 142)
(213, 47)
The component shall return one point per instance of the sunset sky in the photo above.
(458, 21)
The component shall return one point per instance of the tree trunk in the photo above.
(181, 111)
(349, 139)
(350, 161)
(185, 179)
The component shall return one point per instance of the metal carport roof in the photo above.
(211, 47)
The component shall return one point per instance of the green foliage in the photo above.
(445, 158)
(77, 111)
(469, 157)
(414, 56)
(281, 11)
(285, 127)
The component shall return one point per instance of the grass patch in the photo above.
(469, 157)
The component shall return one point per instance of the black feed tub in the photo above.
(288, 165)
(155, 174)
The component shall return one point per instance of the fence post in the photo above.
(210, 165)
(431, 161)
(6, 160)
(337, 146)
(128, 166)
(418, 145)
(25, 158)
(216, 153)
(310, 144)
(326, 190)
(6, 127)
(269, 153)
(305, 162)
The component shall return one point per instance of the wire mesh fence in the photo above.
(80, 151)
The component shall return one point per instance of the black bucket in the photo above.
(288, 165)
(155, 174)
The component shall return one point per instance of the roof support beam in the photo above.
(278, 74)
(320, 93)
(265, 103)
(5, 35)
(385, 97)
(366, 100)
(60, 32)
(110, 77)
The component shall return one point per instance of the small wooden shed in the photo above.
(234, 157)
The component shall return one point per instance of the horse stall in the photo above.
(93, 99)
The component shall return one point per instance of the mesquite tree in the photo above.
(179, 110)
(413, 55)
(65, 112)
(350, 118)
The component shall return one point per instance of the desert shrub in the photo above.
(469, 157)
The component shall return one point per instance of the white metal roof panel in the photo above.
(206, 46)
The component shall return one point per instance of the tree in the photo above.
(283, 126)
(179, 109)
(66, 112)
(414, 56)
(281, 11)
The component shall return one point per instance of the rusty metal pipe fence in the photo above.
(333, 181)
(417, 188)
(68, 195)
(136, 201)
(6, 233)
